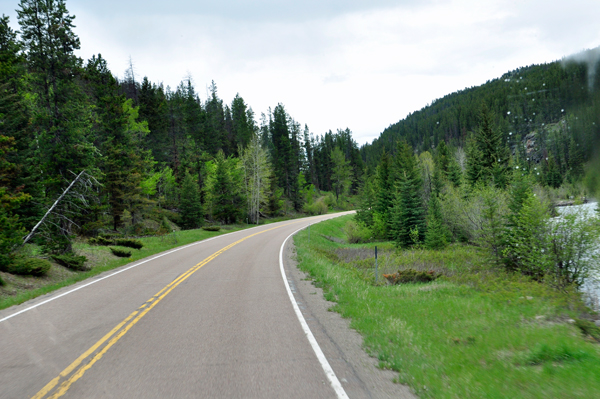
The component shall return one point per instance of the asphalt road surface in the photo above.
(213, 319)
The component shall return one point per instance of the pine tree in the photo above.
(124, 163)
(63, 118)
(341, 175)
(16, 133)
(228, 202)
(408, 213)
(190, 207)
(487, 154)
(437, 234)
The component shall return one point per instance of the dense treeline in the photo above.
(151, 156)
(496, 199)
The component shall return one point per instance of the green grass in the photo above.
(476, 333)
(101, 260)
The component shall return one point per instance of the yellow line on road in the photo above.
(121, 329)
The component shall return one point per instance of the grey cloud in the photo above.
(590, 58)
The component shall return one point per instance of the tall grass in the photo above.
(476, 333)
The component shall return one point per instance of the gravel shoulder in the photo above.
(343, 346)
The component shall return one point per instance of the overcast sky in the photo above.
(334, 64)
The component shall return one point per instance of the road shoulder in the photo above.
(342, 345)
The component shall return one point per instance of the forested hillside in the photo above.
(140, 156)
(526, 104)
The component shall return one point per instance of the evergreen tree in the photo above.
(384, 188)
(408, 213)
(437, 234)
(124, 162)
(487, 154)
(63, 119)
(15, 132)
(341, 175)
(190, 207)
(228, 202)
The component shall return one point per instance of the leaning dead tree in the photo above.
(58, 222)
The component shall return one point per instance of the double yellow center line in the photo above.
(59, 385)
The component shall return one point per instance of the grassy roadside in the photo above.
(23, 288)
(475, 333)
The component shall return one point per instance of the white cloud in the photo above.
(336, 64)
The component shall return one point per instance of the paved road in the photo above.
(210, 320)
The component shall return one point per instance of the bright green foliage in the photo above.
(408, 213)
(574, 247)
(254, 161)
(190, 207)
(526, 239)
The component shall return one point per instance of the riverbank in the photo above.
(474, 333)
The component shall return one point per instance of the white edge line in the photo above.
(120, 271)
(335, 383)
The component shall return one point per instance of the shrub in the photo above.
(211, 228)
(411, 276)
(2, 283)
(122, 253)
(72, 261)
(129, 242)
(30, 266)
(356, 232)
(319, 207)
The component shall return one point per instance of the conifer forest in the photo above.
(85, 155)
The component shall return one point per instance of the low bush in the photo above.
(2, 283)
(121, 253)
(211, 228)
(319, 207)
(29, 266)
(129, 242)
(411, 276)
(72, 261)
(357, 233)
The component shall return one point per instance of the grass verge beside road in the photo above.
(477, 332)
(100, 259)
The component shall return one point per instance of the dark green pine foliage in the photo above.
(16, 132)
(408, 213)
(488, 155)
(552, 172)
(228, 203)
(437, 234)
(154, 109)
(62, 120)
(214, 132)
(190, 207)
(124, 162)
(446, 165)
(384, 195)
(242, 122)
(285, 153)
